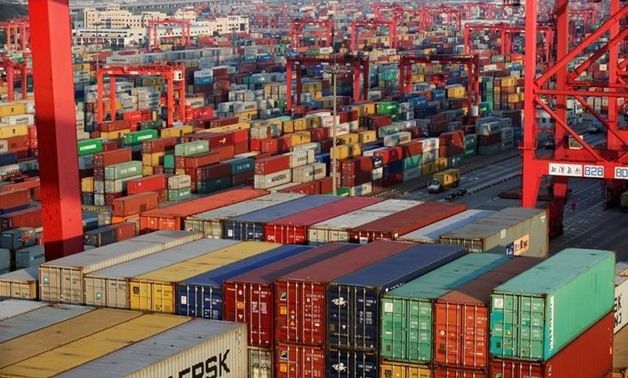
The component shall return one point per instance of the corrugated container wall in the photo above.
(21, 284)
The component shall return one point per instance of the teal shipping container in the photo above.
(407, 313)
(536, 314)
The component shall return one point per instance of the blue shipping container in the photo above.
(8, 158)
(353, 300)
(351, 363)
(249, 227)
(201, 296)
(392, 168)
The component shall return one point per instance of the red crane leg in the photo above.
(289, 86)
(56, 127)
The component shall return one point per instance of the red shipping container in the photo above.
(196, 161)
(412, 148)
(212, 172)
(37, 194)
(445, 372)
(111, 126)
(24, 218)
(401, 223)
(249, 297)
(15, 198)
(158, 145)
(284, 143)
(293, 229)
(103, 159)
(135, 204)
(204, 112)
(589, 355)
(146, 184)
(320, 133)
(225, 152)
(241, 178)
(354, 172)
(18, 143)
(125, 230)
(110, 197)
(171, 218)
(309, 188)
(461, 317)
(390, 154)
(272, 164)
(109, 145)
(326, 185)
(28, 184)
(301, 296)
(298, 361)
(224, 122)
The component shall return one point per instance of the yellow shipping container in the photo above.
(247, 116)
(11, 131)
(340, 152)
(455, 92)
(115, 134)
(355, 149)
(95, 346)
(155, 291)
(152, 160)
(287, 127)
(390, 369)
(513, 98)
(348, 138)
(147, 170)
(312, 122)
(87, 184)
(222, 129)
(509, 82)
(300, 138)
(441, 164)
(369, 109)
(56, 335)
(367, 136)
(176, 131)
(301, 124)
(428, 168)
(318, 95)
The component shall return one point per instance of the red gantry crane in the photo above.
(154, 37)
(358, 64)
(17, 33)
(298, 26)
(609, 162)
(356, 26)
(11, 67)
(174, 74)
(423, 17)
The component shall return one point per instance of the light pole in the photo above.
(334, 70)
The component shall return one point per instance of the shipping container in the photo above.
(20, 284)
(351, 363)
(337, 229)
(589, 355)
(293, 229)
(210, 223)
(392, 369)
(449, 372)
(431, 234)
(14, 307)
(353, 300)
(249, 298)
(300, 306)
(465, 308)
(406, 333)
(300, 361)
(110, 287)
(217, 348)
(202, 296)
(173, 217)
(251, 226)
(403, 222)
(156, 290)
(582, 283)
(513, 231)
(620, 354)
(621, 295)
(61, 280)
(135, 204)
(260, 363)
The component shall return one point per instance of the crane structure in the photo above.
(451, 15)
(608, 162)
(356, 26)
(11, 67)
(359, 65)
(471, 62)
(421, 16)
(506, 32)
(175, 80)
(485, 10)
(153, 37)
(298, 26)
(396, 12)
(17, 32)
(587, 17)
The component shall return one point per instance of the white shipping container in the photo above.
(361, 190)
(431, 233)
(30, 256)
(179, 182)
(20, 119)
(303, 174)
(204, 73)
(215, 347)
(61, 280)
(397, 139)
(20, 284)
(411, 174)
(320, 170)
(621, 296)
(4, 145)
(429, 156)
(377, 173)
(431, 144)
(272, 180)
(99, 199)
(117, 186)
(314, 146)
(260, 362)
(300, 158)
(15, 307)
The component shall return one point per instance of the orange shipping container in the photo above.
(135, 204)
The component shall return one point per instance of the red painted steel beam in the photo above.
(56, 127)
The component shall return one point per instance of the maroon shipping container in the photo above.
(272, 164)
(320, 133)
(268, 145)
(110, 197)
(224, 122)
(390, 154)
(249, 298)
(147, 184)
(135, 204)
(211, 172)
(18, 144)
(445, 372)
(99, 174)
(241, 148)
(326, 185)
(293, 229)
(354, 172)
(589, 355)
(461, 317)
(241, 178)
(395, 225)
(309, 188)
(103, 159)
(125, 230)
(111, 126)
(225, 152)
(196, 161)
(485, 140)
(412, 148)
(158, 145)
(300, 306)
(298, 361)
(13, 199)
(373, 122)
(25, 218)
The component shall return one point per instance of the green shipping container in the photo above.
(89, 146)
(343, 192)
(407, 312)
(489, 149)
(455, 161)
(241, 165)
(412, 162)
(210, 186)
(387, 130)
(169, 161)
(177, 195)
(534, 315)
(149, 125)
(137, 137)
(389, 107)
(191, 148)
(123, 170)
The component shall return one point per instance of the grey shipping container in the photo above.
(515, 231)
(337, 229)
(353, 300)
(210, 223)
(110, 287)
(30, 256)
(15, 307)
(251, 226)
(431, 233)
(61, 280)
(5, 261)
(20, 284)
(39, 318)
(216, 348)
(18, 238)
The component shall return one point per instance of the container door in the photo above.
(419, 331)
(340, 305)
(365, 319)
(260, 362)
(301, 313)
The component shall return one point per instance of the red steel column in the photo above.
(100, 99)
(10, 81)
(112, 97)
(170, 100)
(56, 127)
(299, 86)
(613, 60)
(289, 85)
(356, 82)
(182, 94)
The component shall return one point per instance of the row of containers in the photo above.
(384, 309)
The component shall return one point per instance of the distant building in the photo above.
(115, 18)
